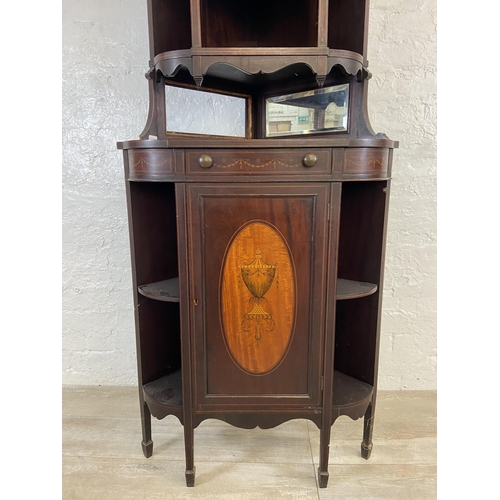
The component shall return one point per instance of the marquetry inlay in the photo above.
(257, 297)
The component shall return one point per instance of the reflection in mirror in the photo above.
(321, 110)
(201, 112)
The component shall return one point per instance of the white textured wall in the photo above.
(402, 103)
(105, 55)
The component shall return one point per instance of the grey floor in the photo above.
(102, 455)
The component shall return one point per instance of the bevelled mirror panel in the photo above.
(209, 113)
(314, 111)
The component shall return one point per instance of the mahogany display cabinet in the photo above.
(258, 251)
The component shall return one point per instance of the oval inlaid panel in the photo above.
(257, 303)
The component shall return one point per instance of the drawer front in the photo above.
(266, 162)
(152, 164)
(366, 161)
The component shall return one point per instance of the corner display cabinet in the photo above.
(258, 246)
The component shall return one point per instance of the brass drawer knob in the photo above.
(206, 161)
(309, 160)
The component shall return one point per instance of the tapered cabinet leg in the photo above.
(367, 444)
(190, 476)
(324, 452)
(189, 447)
(147, 443)
(322, 478)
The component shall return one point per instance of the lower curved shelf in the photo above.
(164, 396)
(351, 396)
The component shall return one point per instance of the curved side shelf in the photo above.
(351, 396)
(255, 62)
(164, 395)
(165, 291)
(349, 289)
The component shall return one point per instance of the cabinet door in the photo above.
(258, 270)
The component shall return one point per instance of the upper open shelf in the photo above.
(184, 24)
(350, 289)
(260, 23)
(244, 33)
(165, 291)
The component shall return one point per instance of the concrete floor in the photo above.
(102, 455)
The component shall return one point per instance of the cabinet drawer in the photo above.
(366, 161)
(150, 164)
(213, 162)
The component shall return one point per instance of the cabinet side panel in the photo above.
(361, 248)
(170, 25)
(362, 220)
(152, 220)
(346, 25)
(159, 331)
(152, 208)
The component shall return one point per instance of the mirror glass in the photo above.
(208, 113)
(320, 110)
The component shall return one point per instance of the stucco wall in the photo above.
(105, 55)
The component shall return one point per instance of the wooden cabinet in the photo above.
(258, 261)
